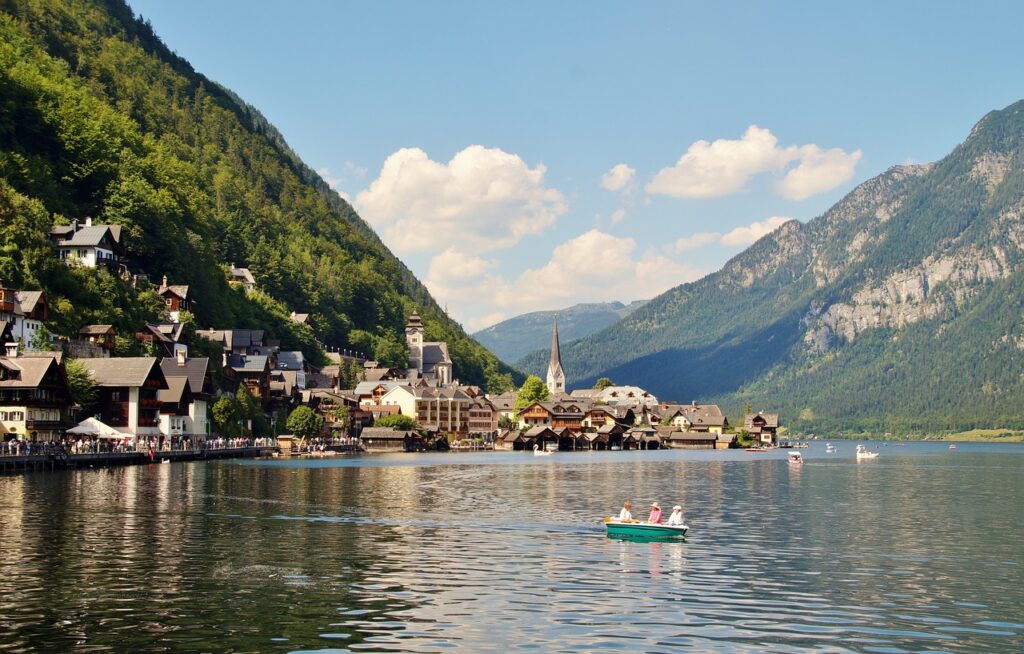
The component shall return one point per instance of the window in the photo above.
(115, 396)
(16, 415)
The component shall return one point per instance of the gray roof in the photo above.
(290, 361)
(234, 338)
(88, 236)
(194, 370)
(771, 420)
(95, 330)
(26, 372)
(385, 432)
(248, 363)
(26, 301)
(175, 390)
(242, 274)
(181, 290)
(124, 371)
(434, 354)
(366, 387)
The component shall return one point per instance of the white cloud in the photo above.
(618, 216)
(593, 267)
(819, 171)
(714, 169)
(749, 234)
(618, 178)
(483, 199)
(695, 241)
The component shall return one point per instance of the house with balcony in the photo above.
(100, 336)
(763, 426)
(251, 371)
(89, 245)
(35, 400)
(242, 276)
(128, 392)
(483, 417)
(184, 406)
(24, 313)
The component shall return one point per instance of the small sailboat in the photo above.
(864, 453)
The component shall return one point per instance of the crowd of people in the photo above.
(94, 445)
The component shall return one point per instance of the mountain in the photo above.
(900, 309)
(98, 118)
(516, 337)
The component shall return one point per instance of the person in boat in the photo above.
(655, 517)
(676, 519)
(625, 515)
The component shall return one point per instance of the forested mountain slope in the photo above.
(899, 309)
(516, 337)
(98, 118)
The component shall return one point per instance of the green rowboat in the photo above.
(643, 530)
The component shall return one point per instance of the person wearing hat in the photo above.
(676, 519)
(655, 517)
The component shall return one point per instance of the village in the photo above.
(172, 401)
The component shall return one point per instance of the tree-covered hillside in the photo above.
(98, 118)
(899, 309)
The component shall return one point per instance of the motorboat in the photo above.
(952, 447)
(864, 453)
(539, 452)
(635, 529)
(830, 448)
(796, 458)
(757, 449)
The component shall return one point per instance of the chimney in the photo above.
(224, 360)
(165, 281)
(88, 221)
(181, 357)
(11, 349)
(74, 225)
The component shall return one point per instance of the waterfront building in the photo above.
(556, 376)
(35, 400)
(128, 396)
(483, 417)
(184, 406)
(762, 426)
(695, 417)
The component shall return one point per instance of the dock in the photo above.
(59, 461)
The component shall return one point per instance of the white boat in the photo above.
(864, 453)
(830, 448)
(539, 452)
(796, 458)
(952, 447)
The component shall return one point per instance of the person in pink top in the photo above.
(655, 517)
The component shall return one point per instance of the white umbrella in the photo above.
(93, 427)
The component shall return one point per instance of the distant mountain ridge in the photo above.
(899, 309)
(516, 337)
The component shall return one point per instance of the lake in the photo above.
(920, 550)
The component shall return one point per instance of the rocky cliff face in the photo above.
(919, 255)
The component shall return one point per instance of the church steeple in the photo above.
(556, 376)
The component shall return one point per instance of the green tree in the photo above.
(396, 421)
(603, 383)
(225, 415)
(533, 390)
(305, 423)
(82, 385)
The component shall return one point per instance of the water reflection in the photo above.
(481, 552)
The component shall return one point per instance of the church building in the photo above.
(556, 376)
(427, 360)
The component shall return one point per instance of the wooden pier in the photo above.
(15, 464)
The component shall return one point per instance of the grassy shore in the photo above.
(987, 436)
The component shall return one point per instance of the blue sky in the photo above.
(526, 156)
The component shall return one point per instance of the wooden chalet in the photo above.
(763, 426)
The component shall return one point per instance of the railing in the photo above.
(64, 448)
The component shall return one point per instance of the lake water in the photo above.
(921, 550)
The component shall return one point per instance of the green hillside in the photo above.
(513, 339)
(98, 118)
(899, 309)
